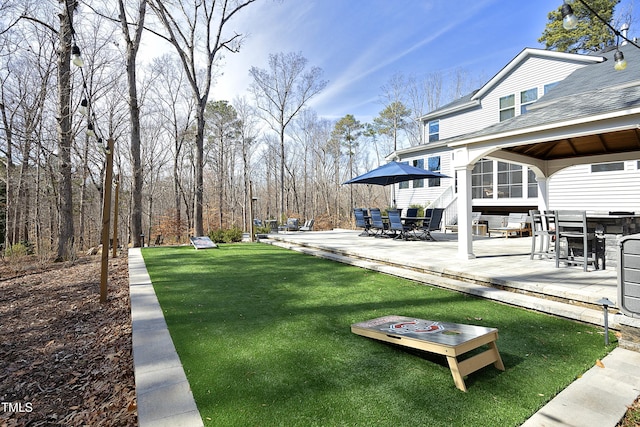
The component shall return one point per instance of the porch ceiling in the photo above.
(590, 145)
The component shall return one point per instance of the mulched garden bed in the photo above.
(66, 358)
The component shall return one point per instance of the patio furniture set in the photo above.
(568, 237)
(293, 224)
(394, 225)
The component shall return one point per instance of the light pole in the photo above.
(251, 211)
(605, 303)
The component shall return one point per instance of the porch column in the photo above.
(465, 239)
(543, 193)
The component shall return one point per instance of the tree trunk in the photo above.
(65, 223)
(199, 184)
(9, 222)
(83, 192)
(176, 190)
(136, 163)
(133, 43)
(282, 156)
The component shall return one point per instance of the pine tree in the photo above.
(591, 34)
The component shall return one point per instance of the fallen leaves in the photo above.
(63, 351)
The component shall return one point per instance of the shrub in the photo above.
(233, 235)
(19, 250)
(217, 236)
(262, 230)
(226, 236)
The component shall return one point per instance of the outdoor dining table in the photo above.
(448, 339)
(615, 223)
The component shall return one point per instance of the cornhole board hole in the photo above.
(448, 339)
(202, 242)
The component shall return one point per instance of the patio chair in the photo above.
(377, 224)
(362, 222)
(432, 223)
(308, 225)
(408, 221)
(571, 227)
(541, 234)
(396, 226)
(517, 223)
(292, 224)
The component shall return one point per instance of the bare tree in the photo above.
(280, 93)
(195, 30)
(65, 135)
(132, 41)
(424, 95)
(247, 134)
(174, 112)
(223, 124)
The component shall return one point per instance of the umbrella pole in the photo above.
(393, 195)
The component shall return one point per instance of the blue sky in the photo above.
(361, 44)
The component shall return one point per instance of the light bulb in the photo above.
(76, 58)
(620, 63)
(83, 107)
(569, 20)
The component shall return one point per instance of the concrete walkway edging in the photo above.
(163, 393)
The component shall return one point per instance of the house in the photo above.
(550, 131)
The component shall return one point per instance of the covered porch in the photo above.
(593, 116)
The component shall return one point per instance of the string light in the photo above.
(76, 57)
(570, 22)
(90, 132)
(619, 62)
(84, 105)
(84, 108)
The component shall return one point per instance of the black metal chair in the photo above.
(396, 226)
(571, 226)
(432, 223)
(377, 223)
(408, 221)
(361, 222)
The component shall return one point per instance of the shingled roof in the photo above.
(592, 91)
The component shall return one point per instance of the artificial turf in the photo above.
(264, 336)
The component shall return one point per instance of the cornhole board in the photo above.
(202, 242)
(448, 339)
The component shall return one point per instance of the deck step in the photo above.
(501, 292)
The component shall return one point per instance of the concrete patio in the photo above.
(502, 270)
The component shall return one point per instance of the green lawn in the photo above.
(264, 337)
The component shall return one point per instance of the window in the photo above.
(548, 87)
(418, 183)
(434, 130)
(434, 166)
(509, 180)
(482, 179)
(507, 107)
(607, 167)
(403, 184)
(527, 97)
(532, 184)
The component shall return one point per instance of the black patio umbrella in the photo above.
(392, 173)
